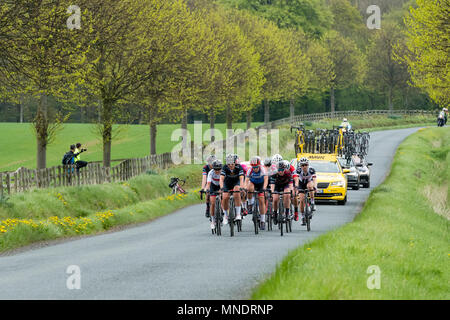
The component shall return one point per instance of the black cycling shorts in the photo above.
(259, 187)
(214, 188)
(229, 185)
(281, 187)
(303, 184)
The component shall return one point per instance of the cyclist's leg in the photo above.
(287, 200)
(225, 203)
(237, 201)
(275, 204)
(251, 198)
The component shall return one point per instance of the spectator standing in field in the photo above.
(78, 162)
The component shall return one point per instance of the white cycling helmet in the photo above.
(230, 159)
(211, 159)
(255, 161)
(268, 162)
(276, 159)
(282, 165)
(303, 161)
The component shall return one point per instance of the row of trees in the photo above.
(170, 57)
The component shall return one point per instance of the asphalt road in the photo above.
(176, 257)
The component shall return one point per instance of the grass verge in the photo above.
(50, 214)
(398, 230)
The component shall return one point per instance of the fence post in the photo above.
(8, 183)
(1, 184)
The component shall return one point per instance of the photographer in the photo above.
(79, 163)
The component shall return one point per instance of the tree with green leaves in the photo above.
(385, 73)
(348, 63)
(115, 33)
(43, 55)
(239, 76)
(428, 38)
(279, 57)
(311, 16)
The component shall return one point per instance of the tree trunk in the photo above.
(21, 110)
(266, 111)
(99, 112)
(390, 105)
(153, 131)
(291, 109)
(229, 118)
(107, 132)
(41, 126)
(212, 121)
(82, 115)
(184, 126)
(333, 108)
(249, 119)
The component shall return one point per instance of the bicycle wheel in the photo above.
(218, 217)
(269, 216)
(308, 216)
(231, 217)
(280, 216)
(255, 213)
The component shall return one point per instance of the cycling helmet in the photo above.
(255, 161)
(217, 164)
(268, 162)
(345, 120)
(303, 160)
(230, 159)
(277, 158)
(211, 159)
(281, 166)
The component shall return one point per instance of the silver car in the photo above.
(353, 177)
(364, 171)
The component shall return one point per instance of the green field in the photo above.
(18, 143)
(402, 229)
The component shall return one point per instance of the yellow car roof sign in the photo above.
(317, 156)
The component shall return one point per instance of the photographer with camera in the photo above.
(79, 163)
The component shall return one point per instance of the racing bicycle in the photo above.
(308, 207)
(176, 186)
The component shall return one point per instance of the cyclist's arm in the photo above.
(221, 182)
(266, 181)
(204, 181)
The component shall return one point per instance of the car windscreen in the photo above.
(325, 166)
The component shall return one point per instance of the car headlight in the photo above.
(337, 184)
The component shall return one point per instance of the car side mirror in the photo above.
(359, 165)
(370, 164)
(346, 171)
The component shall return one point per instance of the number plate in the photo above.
(319, 191)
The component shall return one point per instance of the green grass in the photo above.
(18, 143)
(32, 214)
(398, 230)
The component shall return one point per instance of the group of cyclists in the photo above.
(242, 180)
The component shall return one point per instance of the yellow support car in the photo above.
(331, 180)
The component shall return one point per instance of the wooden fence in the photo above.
(341, 114)
(24, 179)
